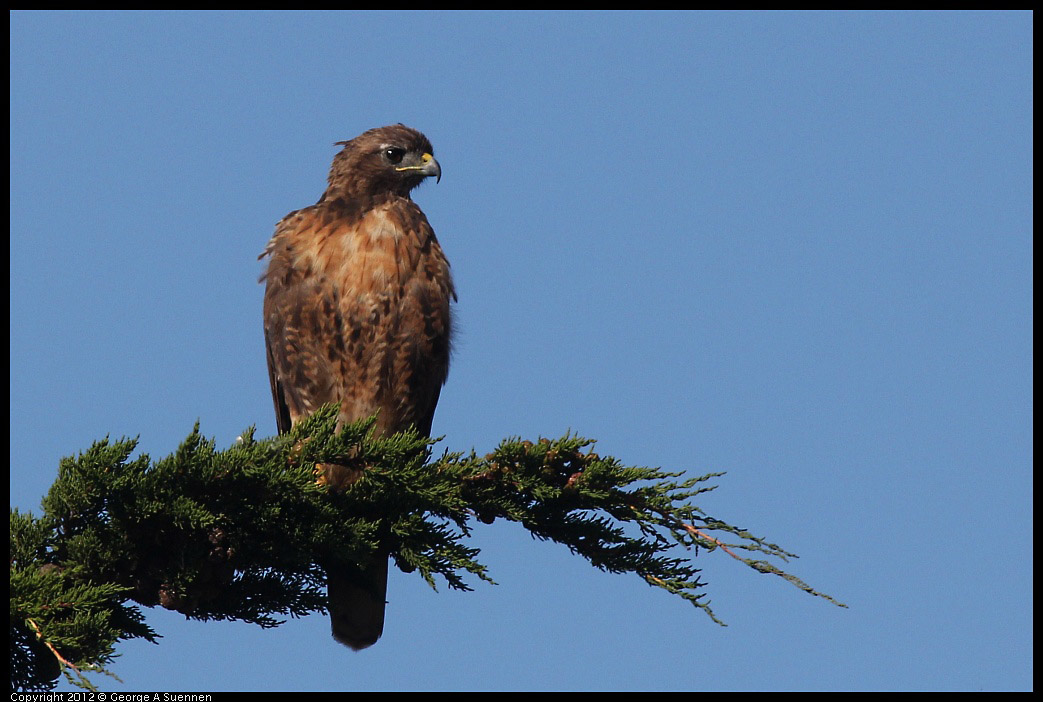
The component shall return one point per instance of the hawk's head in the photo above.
(383, 161)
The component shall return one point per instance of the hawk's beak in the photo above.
(428, 167)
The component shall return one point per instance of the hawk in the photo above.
(357, 312)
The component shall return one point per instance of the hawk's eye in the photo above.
(394, 154)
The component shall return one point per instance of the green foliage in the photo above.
(61, 619)
(244, 533)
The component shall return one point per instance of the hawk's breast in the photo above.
(377, 291)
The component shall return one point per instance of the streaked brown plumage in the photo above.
(356, 311)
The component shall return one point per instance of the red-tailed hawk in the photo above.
(356, 311)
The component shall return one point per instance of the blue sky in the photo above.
(793, 247)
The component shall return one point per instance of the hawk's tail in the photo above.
(356, 603)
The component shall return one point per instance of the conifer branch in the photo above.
(237, 534)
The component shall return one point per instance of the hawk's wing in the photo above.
(282, 411)
(299, 326)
